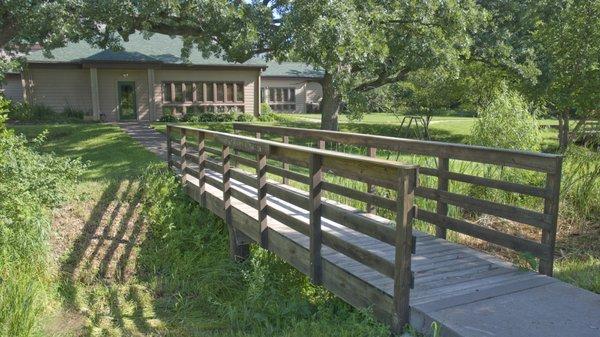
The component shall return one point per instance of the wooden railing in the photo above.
(201, 153)
(544, 220)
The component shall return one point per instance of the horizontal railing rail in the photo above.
(549, 165)
(196, 155)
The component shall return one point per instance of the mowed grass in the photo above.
(442, 128)
(135, 264)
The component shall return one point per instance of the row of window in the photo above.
(280, 99)
(183, 97)
(202, 92)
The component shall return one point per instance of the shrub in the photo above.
(208, 117)
(168, 117)
(265, 109)
(26, 112)
(267, 117)
(507, 123)
(31, 184)
(73, 113)
(244, 118)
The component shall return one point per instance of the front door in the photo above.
(127, 102)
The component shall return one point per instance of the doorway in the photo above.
(127, 101)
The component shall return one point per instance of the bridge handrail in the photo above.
(548, 164)
(401, 178)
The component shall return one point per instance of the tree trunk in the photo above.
(563, 130)
(330, 105)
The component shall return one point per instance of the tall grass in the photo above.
(31, 184)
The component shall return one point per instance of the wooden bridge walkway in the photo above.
(365, 258)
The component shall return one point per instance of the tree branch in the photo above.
(382, 80)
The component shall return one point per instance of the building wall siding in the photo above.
(108, 80)
(13, 88)
(59, 88)
(241, 75)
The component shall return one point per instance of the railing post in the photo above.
(551, 204)
(169, 147)
(237, 251)
(321, 144)
(442, 207)
(261, 174)
(286, 166)
(314, 207)
(183, 149)
(201, 168)
(403, 278)
(371, 152)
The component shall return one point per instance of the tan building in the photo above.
(148, 79)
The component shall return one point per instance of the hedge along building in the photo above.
(148, 78)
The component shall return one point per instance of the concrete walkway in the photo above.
(149, 138)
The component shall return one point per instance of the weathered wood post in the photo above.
(403, 278)
(286, 166)
(169, 148)
(371, 152)
(237, 251)
(201, 169)
(314, 207)
(442, 207)
(551, 203)
(183, 149)
(261, 206)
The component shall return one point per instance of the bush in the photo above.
(168, 117)
(31, 184)
(208, 117)
(244, 118)
(267, 117)
(507, 123)
(26, 112)
(265, 109)
(73, 113)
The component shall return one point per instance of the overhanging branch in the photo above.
(382, 80)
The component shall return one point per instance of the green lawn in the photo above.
(442, 128)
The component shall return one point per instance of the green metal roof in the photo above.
(291, 69)
(160, 48)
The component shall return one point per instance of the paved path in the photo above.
(149, 138)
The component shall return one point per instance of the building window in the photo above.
(282, 99)
(194, 97)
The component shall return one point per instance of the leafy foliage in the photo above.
(507, 123)
(31, 184)
(25, 112)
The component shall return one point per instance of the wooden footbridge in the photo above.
(347, 221)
